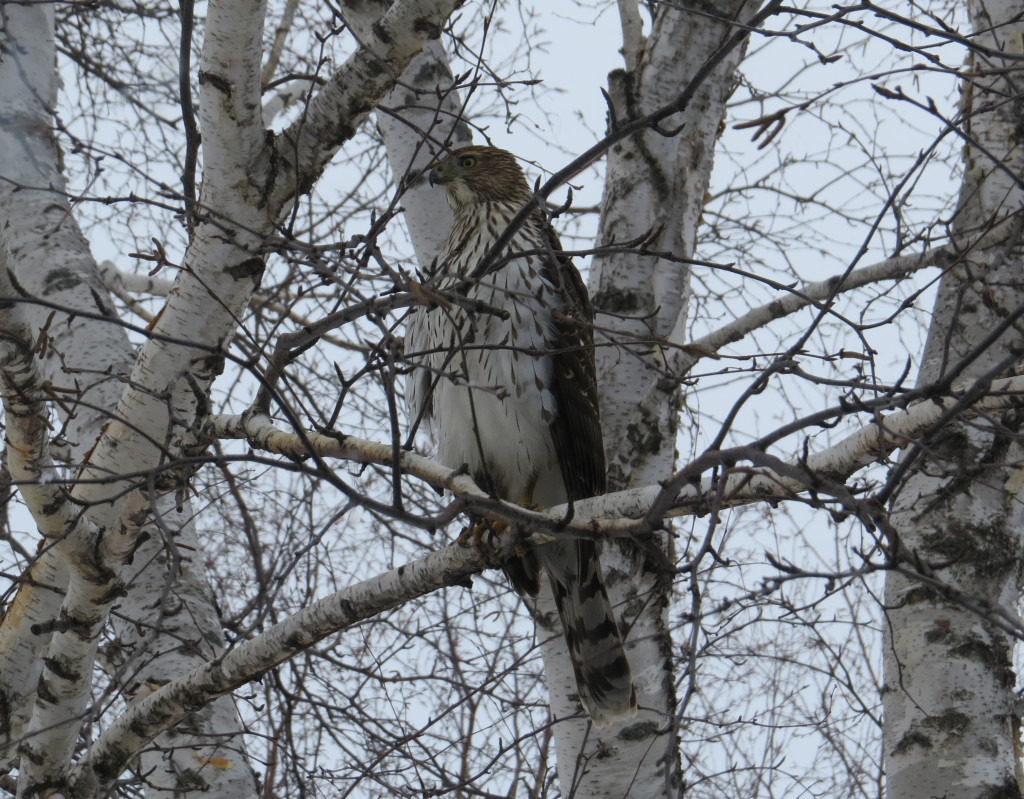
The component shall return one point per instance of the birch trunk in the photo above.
(420, 118)
(155, 417)
(653, 182)
(52, 263)
(951, 724)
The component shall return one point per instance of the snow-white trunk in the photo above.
(417, 120)
(412, 109)
(126, 470)
(951, 724)
(52, 263)
(653, 182)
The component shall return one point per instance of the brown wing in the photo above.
(576, 428)
(573, 565)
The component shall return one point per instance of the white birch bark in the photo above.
(249, 660)
(26, 425)
(156, 413)
(656, 182)
(951, 723)
(682, 359)
(164, 639)
(92, 355)
(35, 227)
(653, 181)
(417, 119)
(28, 462)
(413, 110)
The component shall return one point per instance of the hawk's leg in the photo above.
(526, 500)
(473, 536)
(522, 566)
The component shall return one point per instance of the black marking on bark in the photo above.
(619, 301)
(60, 280)
(624, 81)
(348, 609)
(50, 508)
(941, 630)
(640, 732)
(951, 721)
(995, 656)
(343, 132)
(777, 308)
(381, 32)
(427, 26)
(250, 267)
(432, 72)
(43, 691)
(218, 82)
(5, 715)
(189, 780)
(61, 669)
(912, 739)
(116, 589)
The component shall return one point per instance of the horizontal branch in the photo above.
(622, 513)
(611, 515)
(114, 278)
(811, 294)
(146, 718)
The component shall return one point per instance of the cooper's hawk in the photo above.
(516, 399)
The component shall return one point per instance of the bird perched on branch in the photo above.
(515, 399)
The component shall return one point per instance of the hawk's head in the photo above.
(481, 174)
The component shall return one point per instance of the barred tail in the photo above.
(602, 671)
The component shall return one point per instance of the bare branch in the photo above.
(620, 514)
(681, 361)
(338, 109)
(146, 718)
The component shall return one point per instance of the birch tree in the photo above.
(953, 722)
(229, 567)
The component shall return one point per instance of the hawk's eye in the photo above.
(467, 161)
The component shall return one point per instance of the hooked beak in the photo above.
(434, 177)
